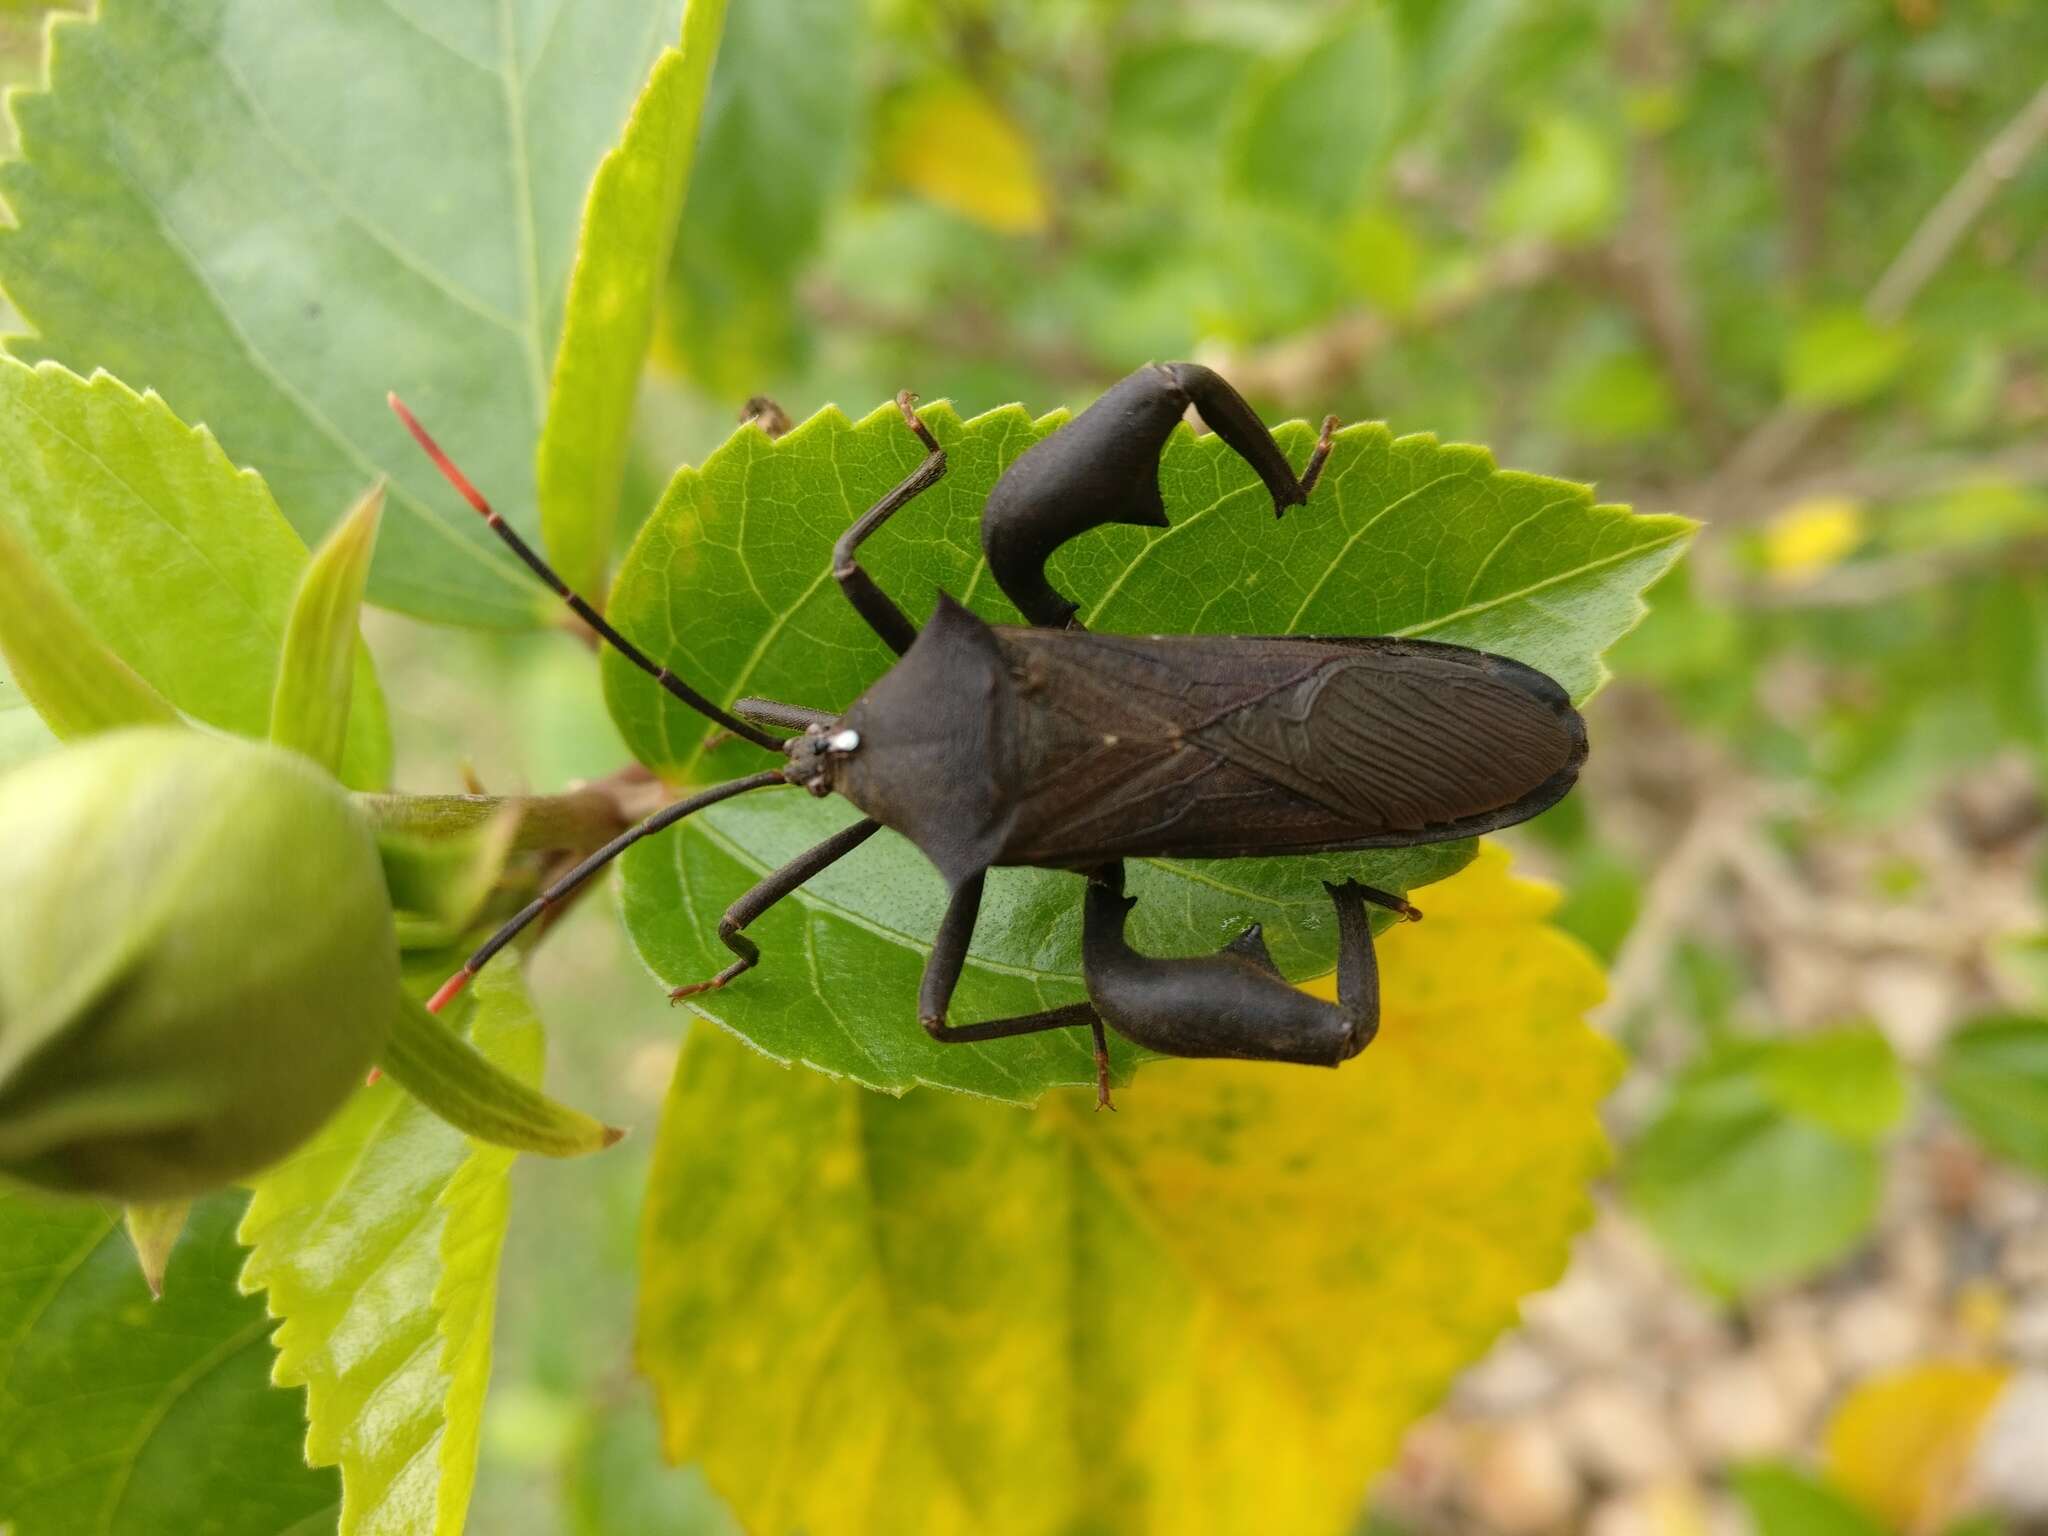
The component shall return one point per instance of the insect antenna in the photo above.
(666, 817)
(589, 615)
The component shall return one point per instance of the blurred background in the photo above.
(1780, 266)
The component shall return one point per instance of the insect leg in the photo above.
(773, 887)
(1225, 413)
(942, 975)
(1233, 1003)
(1102, 468)
(868, 599)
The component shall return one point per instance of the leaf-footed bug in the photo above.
(1056, 747)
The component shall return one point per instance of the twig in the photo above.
(1644, 263)
(1313, 365)
(1786, 430)
(1950, 219)
(1668, 903)
(1871, 581)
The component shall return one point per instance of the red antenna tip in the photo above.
(442, 462)
(449, 988)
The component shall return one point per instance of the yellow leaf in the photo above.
(1812, 536)
(949, 143)
(1215, 1311)
(1900, 1444)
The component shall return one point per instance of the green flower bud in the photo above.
(197, 962)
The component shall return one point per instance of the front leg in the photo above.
(773, 887)
(1103, 467)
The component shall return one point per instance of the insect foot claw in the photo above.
(679, 993)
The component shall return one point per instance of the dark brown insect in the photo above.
(1051, 746)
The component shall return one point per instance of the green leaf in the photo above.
(1784, 1501)
(1740, 1189)
(180, 563)
(378, 1244)
(778, 145)
(729, 584)
(1840, 356)
(23, 735)
(154, 1231)
(1213, 1312)
(274, 215)
(439, 882)
(1845, 1080)
(465, 1088)
(618, 1486)
(1994, 1074)
(629, 227)
(1316, 125)
(1564, 185)
(132, 1417)
(316, 671)
(74, 683)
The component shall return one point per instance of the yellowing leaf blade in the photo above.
(1212, 1312)
(950, 143)
(1900, 1444)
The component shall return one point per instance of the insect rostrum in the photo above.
(1051, 746)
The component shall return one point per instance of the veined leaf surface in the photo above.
(377, 1243)
(1212, 1313)
(131, 1417)
(729, 583)
(273, 214)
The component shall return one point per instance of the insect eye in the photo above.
(845, 741)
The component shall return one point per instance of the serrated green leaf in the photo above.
(378, 1245)
(1741, 1192)
(1213, 1312)
(131, 1417)
(629, 227)
(316, 670)
(74, 683)
(1994, 1074)
(1315, 126)
(179, 562)
(778, 143)
(465, 1088)
(273, 215)
(729, 584)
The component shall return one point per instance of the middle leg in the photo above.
(942, 975)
